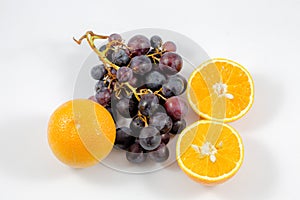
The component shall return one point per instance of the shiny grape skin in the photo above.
(115, 37)
(103, 97)
(124, 74)
(135, 154)
(141, 65)
(136, 125)
(169, 46)
(126, 107)
(155, 41)
(138, 45)
(98, 72)
(160, 154)
(148, 104)
(176, 108)
(120, 57)
(100, 85)
(162, 122)
(149, 138)
(178, 126)
(124, 138)
(154, 80)
(170, 63)
(175, 86)
(165, 138)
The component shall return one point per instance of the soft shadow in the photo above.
(257, 177)
(27, 154)
(268, 97)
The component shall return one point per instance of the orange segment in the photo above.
(220, 90)
(207, 162)
(81, 133)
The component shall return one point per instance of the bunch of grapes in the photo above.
(140, 81)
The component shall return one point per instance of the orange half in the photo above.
(221, 90)
(209, 162)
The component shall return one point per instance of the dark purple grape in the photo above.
(103, 97)
(93, 98)
(149, 138)
(165, 138)
(148, 104)
(136, 125)
(174, 86)
(135, 154)
(176, 108)
(102, 48)
(98, 72)
(178, 126)
(136, 81)
(141, 65)
(127, 107)
(155, 41)
(124, 138)
(109, 54)
(160, 154)
(115, 36)
(154, 80)
(101, 85)
(138, 45)
(124, 74)
(162, 122)
(120, 57)
(169, 46)
(170, 63)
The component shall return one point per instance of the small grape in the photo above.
(115, 36)
(165, 138)
(104, 97)
(176, 108)
(155, 41)
(149, 138)
(169, 46)
(175, 86)
(124, 74)
(170, 63)
(162, 122)
(135, 154)
(136, 125)
(98, 72)
(139, 45)
(154, 80)
(102, 48)
(101, 85)
(120, 57)
(126, 107)
(141, 65)
(178, 126)
(124, 138)
(160, 154)
(148, 104)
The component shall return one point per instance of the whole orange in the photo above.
(81, 133)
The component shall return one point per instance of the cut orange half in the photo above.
(208, 160)
(221, 90)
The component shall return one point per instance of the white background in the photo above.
(39, 63)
